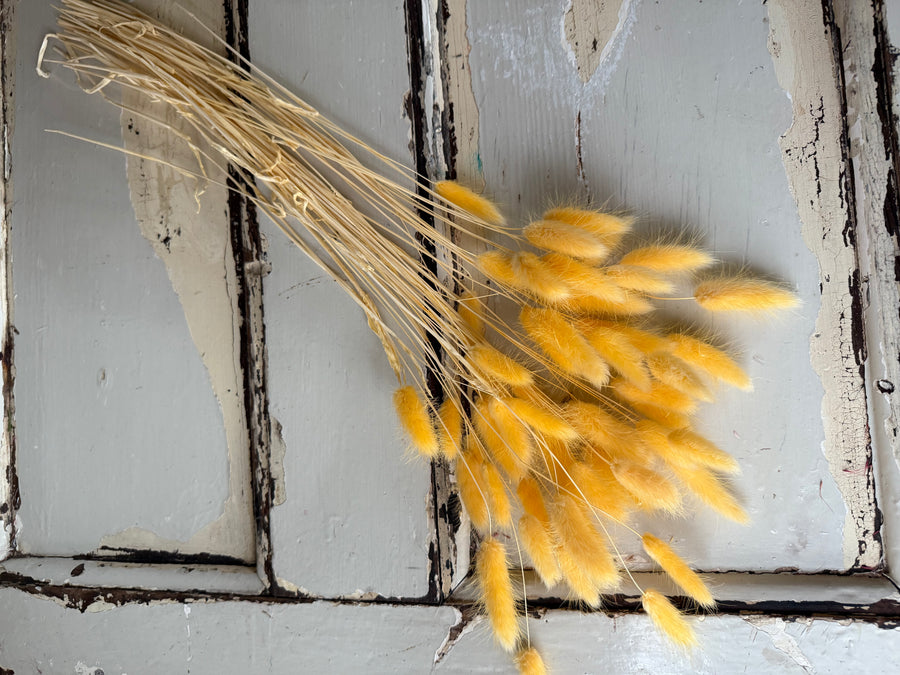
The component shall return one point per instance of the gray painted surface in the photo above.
(354, 520)
(233, 637)
(118, 426)
(680, 126)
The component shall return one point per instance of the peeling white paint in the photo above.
(276, 463)
(594, 35)
(812, 155)
(100, 605)
(774, 627)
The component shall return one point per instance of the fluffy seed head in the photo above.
(464, 198)
(498, 266)
(711, 360)
(555, 235)
(678, 570)
(621, 354)
(709, 489)
(634, 278)
(651, 489)
(589, 305)
(608, 226)
(532, 275)
(529, 662)
(584, 279)
(497, 447)
(690, 448)
(743, 294)
(472, 489)
(471, 311)
(668, 619)
(542, 419)
(674, 372)
(659, 394)
(564, 344)
(497, 592)
(668, 258)
(498, 366)
(496, 490)
(538, 543)
(449, 428)
(416, 421)
(514, 432)
(597, 485)
(529, 493)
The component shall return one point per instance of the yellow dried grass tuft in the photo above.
(743, 294)
(450, 428)
(416, 421)
(469, 201)
(606, 225)
(554, 235)
(539, 545)
(678, 570)
(711, 360)
(675, 373)
(668, 258)
(529, 662)
(668, 619)
(689, 448)
(709, 489)
(497, 594)
(497, 365)
(564, 344)
(651, 489)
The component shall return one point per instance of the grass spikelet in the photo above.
(542, 419)
(660, 395)
(416, 421)
(498, 266)
(529, 662)
(743, 294)
(668, 619)
(497, 592)
(673, 372)
(472, 491)
(632, 304)
(667, 418)
(634, 278)
(497, 447)
(449, 428)
(678, 570)
(483, 209)
(555, 235)
(586, 564)
(497, 365)
(501, 510)
(621, 354)
(529, 493)
(651, 489)
(645, 341)
(601, 428)
(668, 258)
(538, 543)
(471, 311)
(711, 360)
(585, 279)
(564, 344)
(691, 448)
(512, 430)
(532, 275)
(710, 490)
(601, 490)
(606, 225)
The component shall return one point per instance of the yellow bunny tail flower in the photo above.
(512, 430)
(468, 201)
(634, 278)
(678, 570)
(690, 448)
(542, 420)
(532, 500)
(668, 258)
(498, 266)
(497, 592)
(471, 311)
(538, 543)
(496, 489)
(497, 365)
(668, 619)
(416, 421)
(533, 275)
(743, 294)
(608, 226)
(584, 279)
(564, 344)
(674, 372)
(615, 347)
(529, 662)
(709, 489)
(651, 489)
(473, 489)
(498, 447)
(554, 235)
(711, 360)
(449, 428)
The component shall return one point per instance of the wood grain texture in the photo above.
(354, 520)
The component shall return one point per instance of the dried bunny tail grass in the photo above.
(673, 565)
(709, 359)
(471, 311)
(532, 275)
(538, 543)
(472, 489)
(498, 266)
(601, 428)
(416, 421)
(497, 594)
(598, 487)
(651, 489)
(709, 489)
(672, 371)
(514, 432)
(564, 344)
(542, 419)
(668, 619)
(497, 365)
(587, 565)
(607, 225)
(645, 341)
(689, 448)
(494, 443)
(620, 353)
(529, 662)
(554, 235)
(529, 493)
(668, 418)
(634, 278)
(668, 258)
(584, 279)
(659, 394)
(450, 428)
(633, 304)
(501, 509)
(468, 201)
(743, 294)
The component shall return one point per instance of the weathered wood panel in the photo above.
(355, 513)
(120, 433)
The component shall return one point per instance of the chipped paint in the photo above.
(276, 466)
(594, 34)
(815, 159)
(787, 644)
(464, 125)
(185, 221)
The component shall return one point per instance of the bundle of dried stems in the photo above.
(557, 425)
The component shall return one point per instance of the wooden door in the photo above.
(202, 471)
